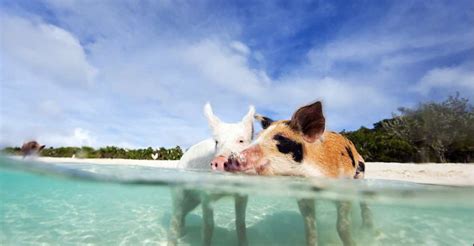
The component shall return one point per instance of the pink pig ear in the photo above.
(310, 121)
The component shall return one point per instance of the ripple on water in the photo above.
(52, 208)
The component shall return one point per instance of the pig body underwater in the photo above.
(302, 147)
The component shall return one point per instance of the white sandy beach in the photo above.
(429, 173)
(103, 161)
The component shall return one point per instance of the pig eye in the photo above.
(217, 142)
(241, 141)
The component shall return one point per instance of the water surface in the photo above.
(129, 205)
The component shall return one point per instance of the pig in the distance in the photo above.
(31, 148)
(227, 138)
(302, 147)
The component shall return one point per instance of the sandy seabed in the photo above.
(427, 173)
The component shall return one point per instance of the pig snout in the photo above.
(219, 163)
(246, 160)
(233, 164)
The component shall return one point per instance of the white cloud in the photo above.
(342, 101)
(50, 107)
(338, 94)
(240, 47)
(400, 37)
(143, 87)
(78, 137)
(224, 67)
(83, 137)
(43, 51)
(459, 77)
(45, 82)
(135, 75)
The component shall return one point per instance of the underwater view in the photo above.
(130, 205)
(237, 123)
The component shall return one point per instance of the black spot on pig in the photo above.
(351, 155)
(286, 146)
(361, 167)
(360, 170)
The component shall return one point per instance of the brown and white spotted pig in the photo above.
(302, 147)
(31, 148)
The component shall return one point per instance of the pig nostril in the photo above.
(215, 165)
(237, 163)
(225, 164)
(211, 164)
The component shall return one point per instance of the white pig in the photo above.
(211, 154)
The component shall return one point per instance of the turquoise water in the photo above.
(129, 205)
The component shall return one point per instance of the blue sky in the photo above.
(137, 73)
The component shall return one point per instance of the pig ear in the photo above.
(211, 118)
(264, 121)
(309, 120)
(248, 118)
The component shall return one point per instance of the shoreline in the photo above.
(108, 161)
(426, 173)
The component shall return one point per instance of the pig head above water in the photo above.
(31, 148)
(299, 147)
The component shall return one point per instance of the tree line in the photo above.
(430, 132)
(106, 152)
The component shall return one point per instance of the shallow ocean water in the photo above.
(131, 205)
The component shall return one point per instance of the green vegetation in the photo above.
(12, 151)
(378, 145)
(106, 152)
(431, 132)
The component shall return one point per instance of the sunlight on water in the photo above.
(131, 205)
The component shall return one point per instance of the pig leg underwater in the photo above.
(344, 222)
(307, 210)
(184, 201)
(240, 207)
(365, 212)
